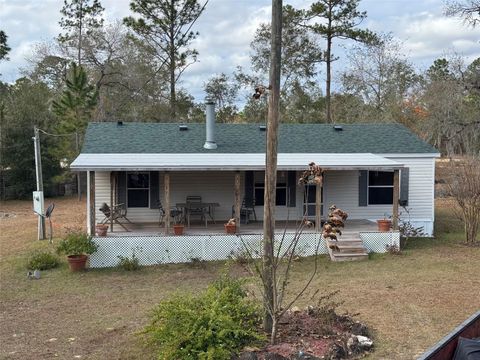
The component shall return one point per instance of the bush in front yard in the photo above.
(42, 260)
(212, 325)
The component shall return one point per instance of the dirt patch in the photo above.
(309, 334)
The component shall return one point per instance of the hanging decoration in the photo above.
(312, 176)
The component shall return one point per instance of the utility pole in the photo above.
(38, 172)
(271, 164)
(79, 186)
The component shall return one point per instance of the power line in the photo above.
(56, 135)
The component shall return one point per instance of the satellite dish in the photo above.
(48, 215)
(49, 211)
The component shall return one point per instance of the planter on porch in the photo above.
(178, 229)
(230, 228)
(101, 229)
(384, 225)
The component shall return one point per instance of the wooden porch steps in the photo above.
(350, 248)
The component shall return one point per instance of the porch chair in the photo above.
(175, 213)
(119, 212)
(246, 209)
(196, 207)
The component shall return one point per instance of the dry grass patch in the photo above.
(410, 301)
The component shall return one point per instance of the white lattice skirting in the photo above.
(159, 249)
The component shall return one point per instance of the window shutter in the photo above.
(363, 188)
(122, 188)
(249, 192)
(154, 190)
(292, 188)
(404, 182)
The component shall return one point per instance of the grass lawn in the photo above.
(410, 301)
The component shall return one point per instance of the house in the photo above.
(366, 166)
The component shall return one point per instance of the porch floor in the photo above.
(351, 226)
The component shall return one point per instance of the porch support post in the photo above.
(112, 187)
(318, 207)
(91, 202)
(166, 182)
(237, 199)
(396, 194)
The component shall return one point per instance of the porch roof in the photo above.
(229, 162)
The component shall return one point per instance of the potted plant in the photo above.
(178, 226)
(231, 227)
(385, 224)
(77, 246)
(101, 229)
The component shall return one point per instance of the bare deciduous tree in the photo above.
(463, 185)
(468, 10)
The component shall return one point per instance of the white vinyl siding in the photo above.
(341, 189)
(212, 186)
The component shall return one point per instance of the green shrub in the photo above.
(42, 260)
(77, 243)
(128, 264)
(211, 325)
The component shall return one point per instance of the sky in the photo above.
(227, 27)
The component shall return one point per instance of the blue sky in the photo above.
(227, 27)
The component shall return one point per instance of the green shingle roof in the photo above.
(109, 137)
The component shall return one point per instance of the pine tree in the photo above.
(339, 19)
(165, 26)
(79, 19)
(4, 48)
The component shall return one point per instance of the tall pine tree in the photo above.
(337, 19)
(165, 26)
(79, 19)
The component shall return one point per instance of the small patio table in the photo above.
(208, 206)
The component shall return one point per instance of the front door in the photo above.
(310, 193)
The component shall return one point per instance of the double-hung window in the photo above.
(380, 187)
(138, 189)
(281, 193)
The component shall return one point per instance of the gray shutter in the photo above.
(249, 183)
(154, 190)
(363, 188)
(122, 187)
(292, 188)
(404, 180)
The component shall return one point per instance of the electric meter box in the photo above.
(38, 207)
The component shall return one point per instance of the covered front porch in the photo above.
(253, 227)
(226, 187)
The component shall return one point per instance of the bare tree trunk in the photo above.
(80, 26)
(172, 62)
(329, 71)
(271, 164)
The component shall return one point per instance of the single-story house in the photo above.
(367, 168)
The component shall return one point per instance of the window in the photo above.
(281, 193)
(380, 187)
(138, 190)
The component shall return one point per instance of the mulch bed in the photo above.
(313, 334)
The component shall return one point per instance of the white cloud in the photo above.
(227, 27)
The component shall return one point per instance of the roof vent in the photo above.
(182, 127)
(338, 127)
(119, 123)
(262, 128)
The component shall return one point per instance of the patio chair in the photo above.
(246, 209)
(119, 212)
(175, 213)
(196, 207)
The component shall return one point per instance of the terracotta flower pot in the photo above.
(384, 225)
(77, 262)
(101, 229)
(178, 229)
(230, 229)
